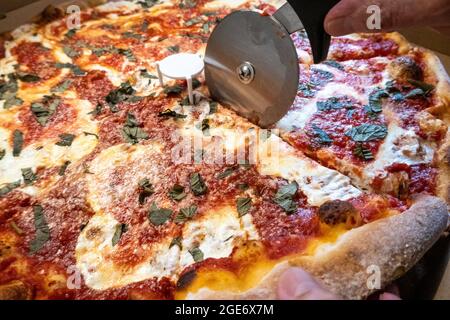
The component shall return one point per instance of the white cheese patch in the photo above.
(45, 153)
(318, 183)
(401, 146)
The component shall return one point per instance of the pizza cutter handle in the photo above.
(312, 15)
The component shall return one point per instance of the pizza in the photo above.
(113, 187)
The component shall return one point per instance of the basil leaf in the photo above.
(243, 206)
(426, 87)
(197, 184)
(192, 22)
(174, 49)
(66, 140)
(128, 53)
(213, 107)
(285, 197)
(206, 27)
(321, 136)
(8, 91)
(28, 176)
(306, 89)
(70, 52)
(145, 74)
(242, 186)
(176, 242)
(367, 132)
(43, 110)
(2, 153)
(171, 114)
(98, 110)
(186, 279)
(146, 190)
(9, 187)
(91, 134)
(42, 230)
(362, 152)
(71, 33)
(120, 230)
(74, 68)
(175, 89)
(376, 100)
(30, 78)
(196, 254)
(125, 93)
(415, 93)
(131, 35)
(334, 64)
(62, 86)
(185, 214)
(146, 4)
(177, 193)
(131, 131)
(63, 168)
(12, 101)
(17, 142)
(205, 126)
(187, 4)
(158, 216)
(228, 172)
(334, 103)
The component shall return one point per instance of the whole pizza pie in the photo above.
(115, 187)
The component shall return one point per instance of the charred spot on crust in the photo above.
(405, 68)
(336, 211)
(51, 13)
(186, 279)
(15, 290)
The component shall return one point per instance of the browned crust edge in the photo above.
(392, 244)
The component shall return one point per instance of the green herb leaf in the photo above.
(243, 206)
(28, 176)
(146, 74)
(121, 228)
(7, 188)
(321, 136)
(30, 78)
(174, 49)
(71, 33)
(334, 64)
(125, 93)
(74, 68)
(426, 87)
(228, 172)
(376, 101)
(415, 93)
(146, 190)
(128, 53)
(243, 186)
(176, 242)
(196, 254)
(42, 230)
(177, 193)
(367, 132)
(175, 89)
(62, 86)
(285, 197)
(98, 110)
(192, 22)
(186, 214)
(187, 4)
(198, 186)
(70, 52)
(213, 107)
(307, 90)
(131, 35)
(362, 152)
(17, 142)
(171, 114)
(63, 168)
(159, 216)
(131, 131)
(66, 140)
(146, 4)
(91, 134)
(44, 109)
(334, 103)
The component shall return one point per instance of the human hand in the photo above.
(350, 16)
(297, 284)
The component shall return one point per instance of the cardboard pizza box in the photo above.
(431, 276)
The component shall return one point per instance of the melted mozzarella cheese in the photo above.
(318, 183)
(401, 146)
(45, 153)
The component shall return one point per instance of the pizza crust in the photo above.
(393, 244)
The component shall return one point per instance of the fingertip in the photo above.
(389, 296)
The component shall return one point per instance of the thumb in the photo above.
(350, 16)
(296, 284)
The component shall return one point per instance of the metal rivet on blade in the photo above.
(246, 72)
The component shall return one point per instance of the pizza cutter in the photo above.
(251, 63)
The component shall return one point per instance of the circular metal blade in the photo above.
(243, 40)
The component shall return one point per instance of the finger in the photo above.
(296, 284)
(389, 296)
(350, 16)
